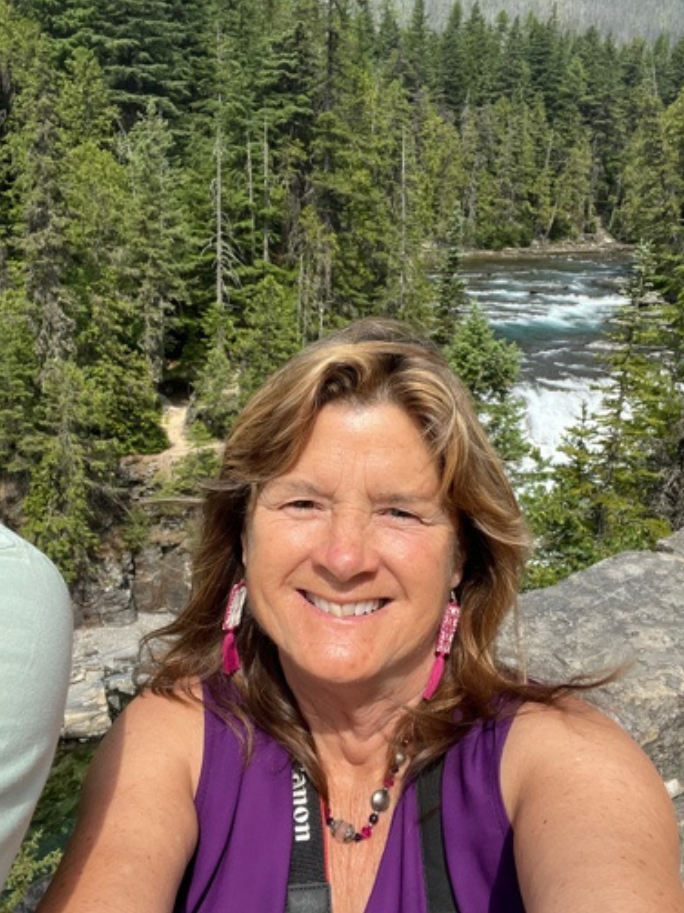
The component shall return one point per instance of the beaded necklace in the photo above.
(343, 831)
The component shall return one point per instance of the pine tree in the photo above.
(452, 295)
(419, 52)
(641, 404)
(452, 76)
(562, 506)
(154, 236)
(489, 368)
(653, 189)
(59, 506)
(86, 367)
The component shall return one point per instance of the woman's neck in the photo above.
(352, 731)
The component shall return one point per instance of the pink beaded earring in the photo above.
(445, 638)
(231, 622)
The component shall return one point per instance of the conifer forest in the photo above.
(192, 189)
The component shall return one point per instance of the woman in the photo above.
(359, 553)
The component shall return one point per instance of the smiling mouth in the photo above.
(346, 610)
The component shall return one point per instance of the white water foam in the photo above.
(551, 409)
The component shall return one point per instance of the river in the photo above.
(556, 308)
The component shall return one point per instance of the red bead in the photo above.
(366, 832)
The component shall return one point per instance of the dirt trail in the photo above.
(173, 423)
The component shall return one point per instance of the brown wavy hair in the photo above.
(367, 363)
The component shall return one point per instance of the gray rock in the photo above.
(106, 598)
(627, 610)
(162, 578)
(105, 660)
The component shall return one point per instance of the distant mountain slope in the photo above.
(624, 19)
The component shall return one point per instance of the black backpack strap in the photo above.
(307, 889)
(440, 894)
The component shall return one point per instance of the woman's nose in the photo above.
(347, 549)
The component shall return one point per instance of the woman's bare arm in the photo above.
(137, 828)
(594, 828)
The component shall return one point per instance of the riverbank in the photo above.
(599, 243)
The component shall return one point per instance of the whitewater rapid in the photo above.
(556, 309)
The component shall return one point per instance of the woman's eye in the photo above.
(301, 504)
(398, 514)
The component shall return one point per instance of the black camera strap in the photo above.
(440, 893)
(308, 889)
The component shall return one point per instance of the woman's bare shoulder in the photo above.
(137, 825)
(594, 827)
(179, 709)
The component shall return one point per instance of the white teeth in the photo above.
(346, 610)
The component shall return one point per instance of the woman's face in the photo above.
(350, 556)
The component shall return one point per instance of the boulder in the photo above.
(626, 611)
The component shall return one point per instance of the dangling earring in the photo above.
(231, 621)
(445, 638)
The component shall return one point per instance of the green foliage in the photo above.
(191, 472)
(489, 368)
(55, 813)
(29, 865)
(452, 297)
(135, 528)
(63, 465)
(270, 337)
(217, 392)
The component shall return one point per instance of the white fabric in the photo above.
(35, 663)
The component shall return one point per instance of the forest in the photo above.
(189, 191)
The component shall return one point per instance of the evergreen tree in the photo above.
(452, 295)
(642, 408)
(85, 367)
(653, 189)
(419, 52)
(480, 54)
(562, 507)
(388, 41)
(154, 236)
(544, 59)
(452, 74)
(489, 368)
(514, 77)
(59, 505)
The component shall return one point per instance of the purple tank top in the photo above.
(242, 858)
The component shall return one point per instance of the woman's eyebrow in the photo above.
(293, 486)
